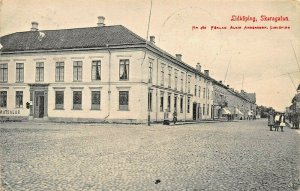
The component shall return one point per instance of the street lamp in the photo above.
(149, 100)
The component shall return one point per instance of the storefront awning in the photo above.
(237, 111)
(225, 111)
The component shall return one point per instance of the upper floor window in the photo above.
(39, 72)
(150, 70)
(169, 74)
(124, 69)
(162, 73)
(181, 81)
(19, 99)
(203, 92)
(96, 70)
(176, 79)
(3, 98)
(20, 72)
(189, 84)
(59, 71)
(77, 70)
(199, 91)
(3, 72)
(195, 91)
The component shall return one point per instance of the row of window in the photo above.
(176, 73)
(60, 71)
(77, 100)
(18, 99)
(96, 101)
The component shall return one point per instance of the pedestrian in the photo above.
(277, 123)
(271, 121)
(166, 118)
(174, 117)
(282, 121)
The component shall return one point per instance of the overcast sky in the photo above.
(263, 58)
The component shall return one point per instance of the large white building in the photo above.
(103, 73)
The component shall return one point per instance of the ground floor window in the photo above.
(150, 101)
(203, 109)
(77, 100)
(123, 100)
(207, 109)
(161, 106)
(188, 104)
(181, 104)
(59, 100)
(96, 100)
(169, 103)
(3, 98)
(19, 99)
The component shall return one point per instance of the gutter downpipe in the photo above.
(109, 81)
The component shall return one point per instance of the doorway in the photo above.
(194, 111)
(39, 104)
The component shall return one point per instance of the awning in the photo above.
(225, 111)
(237, 111)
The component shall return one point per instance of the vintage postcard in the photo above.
(149, 95)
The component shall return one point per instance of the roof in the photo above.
(90, 37)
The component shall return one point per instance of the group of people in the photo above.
(276, 120)
(166, 117)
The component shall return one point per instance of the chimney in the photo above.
(206, 72)
(227, 86)
(101, 21)
(220, 82)
(242, 91)
(152, 39)
(198, 67)
(178, 56)
(34, 26)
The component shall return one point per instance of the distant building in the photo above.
(103, 73)
(230, 103)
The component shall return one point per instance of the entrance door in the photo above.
(39, 104)
(194, 111)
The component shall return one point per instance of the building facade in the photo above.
(104, 73)
(231, 104)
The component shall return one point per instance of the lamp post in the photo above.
(149, 100)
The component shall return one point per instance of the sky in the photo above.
(262, 61)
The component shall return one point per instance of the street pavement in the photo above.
(242, 155)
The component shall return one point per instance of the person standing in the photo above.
(271, 121)
(282, 121)
(174, 117)
(277, 123)
(166, 118)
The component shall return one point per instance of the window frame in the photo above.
(93, 105)
(77, 71)
(77, 106)
(59, 106)
(124, 107)
(39, 71)
(19, 72)
(126, 63)
(19, 99)
(59, 72)
(95, 67)
(3, 99)
(3, 72)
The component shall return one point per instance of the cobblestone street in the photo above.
(241, 155)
